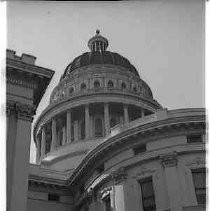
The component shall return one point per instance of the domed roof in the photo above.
(99, 55)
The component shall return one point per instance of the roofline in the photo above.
(173, 116)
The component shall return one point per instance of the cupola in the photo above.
(98, 42)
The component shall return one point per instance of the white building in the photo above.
(103, 143)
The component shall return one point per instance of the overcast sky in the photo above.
(164, 40)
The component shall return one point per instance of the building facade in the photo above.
(104, 144)
(26, 84)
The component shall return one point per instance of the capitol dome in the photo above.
(98, 91)
(99, 55)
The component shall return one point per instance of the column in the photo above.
(11, 142)
(43, 143)
(87, 122)
(169, 162)
(126, 116)
(63, 135)
(68, 126)
(118, 196)
(76, 132)
(54, 135)
(38, 149)
(142, 113)
(19, 189)
(106, 119)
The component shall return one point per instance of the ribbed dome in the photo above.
(99, 57)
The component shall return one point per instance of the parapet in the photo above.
(26, 58)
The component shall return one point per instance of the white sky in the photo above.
(164, 40)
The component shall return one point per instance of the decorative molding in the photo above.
(41, 184)
(90, 196)
(144, 171)
(124, 135)
(21, 110)
(105, 192)
(169, 159)
(30, 68)
(21, 82)
(198, 161)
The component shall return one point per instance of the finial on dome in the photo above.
(98, 42)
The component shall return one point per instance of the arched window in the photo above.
(110, 84)
(140, 89)
(83, 86)
(71, 90)
(96, 84)
(62, 94)
(98, 128)
(134, 89)
(82, 130)
(113, 122)
(123, 85)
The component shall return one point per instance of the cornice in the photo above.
(48, 180)
(105, 91)
(122, 139)
(32, 69)
(30, 76)
(36, 184)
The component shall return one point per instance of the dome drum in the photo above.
(122, 82)
(84, 122)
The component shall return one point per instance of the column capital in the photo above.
(125, 105)
(169, 159)
(119, 175)
(104, 192)
(21, 110)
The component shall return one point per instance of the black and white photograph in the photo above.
(105, 106)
